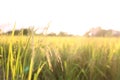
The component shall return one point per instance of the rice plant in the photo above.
(59, 58)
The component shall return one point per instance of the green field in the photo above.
(59, 58)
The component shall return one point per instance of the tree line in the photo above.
(99, 32)
(27, 31)
(93, 32)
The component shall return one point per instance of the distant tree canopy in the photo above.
(21, 31)
(99, 32)
(62, 34)
(28, 31)
(52, 34)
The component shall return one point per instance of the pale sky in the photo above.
(72, 16)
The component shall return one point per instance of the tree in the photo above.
(51, 34)
(62, 34)
(25, 31)
(99, 32)
(87, 34)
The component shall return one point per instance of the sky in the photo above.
(71, 16)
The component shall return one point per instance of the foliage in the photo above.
(51, 34)
(59, 58)
(62, 34)
(99, 32)
(19, 32)
(27, 31)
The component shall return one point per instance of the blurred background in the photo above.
(71, 16)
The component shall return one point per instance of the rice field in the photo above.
(59, 58)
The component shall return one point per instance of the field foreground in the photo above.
(59, 58)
